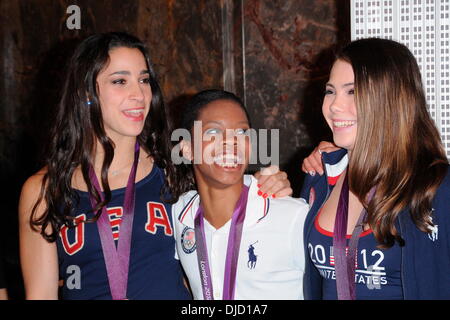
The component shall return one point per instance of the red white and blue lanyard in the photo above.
(345, 263)
(117, 259)
(234, 242)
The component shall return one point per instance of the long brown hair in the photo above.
(398, 148)
(78, 126)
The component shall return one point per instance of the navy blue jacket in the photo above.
(425, 266)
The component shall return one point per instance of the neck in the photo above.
(123, 154)
(219, 203)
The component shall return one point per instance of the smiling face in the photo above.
(124, 93)
(339, 107)
(225, 144)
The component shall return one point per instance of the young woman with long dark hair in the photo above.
(97, 216)
(232, 243)
(384, 197)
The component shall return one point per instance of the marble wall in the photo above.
(288, 49)
(184, 38)
(274, 54)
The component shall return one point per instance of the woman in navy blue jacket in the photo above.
(380, 215)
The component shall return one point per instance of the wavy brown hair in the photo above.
(398, 148)
(78, 127)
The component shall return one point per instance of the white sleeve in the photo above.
(176, 253)
(297, 249)
(174, 229)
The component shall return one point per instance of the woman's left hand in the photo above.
(273, 183)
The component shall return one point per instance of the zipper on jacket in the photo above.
(402, 256)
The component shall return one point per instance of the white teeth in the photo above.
(134, 112)
(227, 160)
(343, 124)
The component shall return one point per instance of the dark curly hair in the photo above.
(78, 128)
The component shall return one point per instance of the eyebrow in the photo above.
(127, 73)
(221, 123)
(344, 85)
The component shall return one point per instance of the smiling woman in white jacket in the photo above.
(232, 243)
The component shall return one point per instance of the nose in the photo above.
(230, 141)
(137, 92)
(337, 104)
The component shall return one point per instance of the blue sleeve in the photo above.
(312, 281)
(306, 188)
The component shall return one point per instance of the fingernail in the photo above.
(259, 193)
(274, 196)
(312, 173)
(259, 186)
(321, 173)
(265, 195)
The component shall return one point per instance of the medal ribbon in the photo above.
(117, 259)
(234, 242)
(345, 263)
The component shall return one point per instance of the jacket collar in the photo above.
(256, 209)
(335, 163)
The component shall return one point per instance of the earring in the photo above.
(89, 102)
